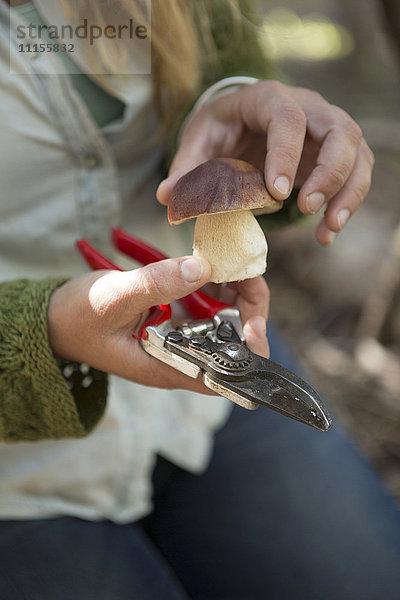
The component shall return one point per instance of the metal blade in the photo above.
(233, 371)
(271, 385)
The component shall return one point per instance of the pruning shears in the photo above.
(213, 345)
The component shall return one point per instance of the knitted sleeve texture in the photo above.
(36, 401)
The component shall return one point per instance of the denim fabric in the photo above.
(283, 512)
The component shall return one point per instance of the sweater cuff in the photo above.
(35, 399)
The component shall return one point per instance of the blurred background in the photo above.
(339, 307)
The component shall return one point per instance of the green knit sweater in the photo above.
(36, 400)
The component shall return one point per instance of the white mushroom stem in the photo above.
(233, 243)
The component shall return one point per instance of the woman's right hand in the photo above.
(91, 318)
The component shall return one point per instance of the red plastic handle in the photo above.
(158, 315)
(135, 248)
(198, 304)
(94, 259)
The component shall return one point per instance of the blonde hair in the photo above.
(181, 44)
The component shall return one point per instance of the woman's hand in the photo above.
(251, 297)
(295, 136)
(91, 318)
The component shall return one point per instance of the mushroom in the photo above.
(223, 193)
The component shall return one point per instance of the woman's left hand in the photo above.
(295, 136)
(252, 298)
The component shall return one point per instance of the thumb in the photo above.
(165, 281)
(165, 188)
(194, 149)
(182, 164)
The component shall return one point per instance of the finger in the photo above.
(264, 107)
(225, 292)
(253, 298)
(134, 292)
(255, 334)
(347, 201)
(200, 142)
(267, 108)
(325, 236)
(213, 289)
(285, 140)
(166, 186)
(229, 293)
(335, 162)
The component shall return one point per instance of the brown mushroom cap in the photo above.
(220, 185)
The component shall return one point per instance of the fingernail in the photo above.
(343, 217)
(314, 202)
(192, 269)
(330, 238)
(282, 185)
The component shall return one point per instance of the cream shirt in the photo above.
(63, 178)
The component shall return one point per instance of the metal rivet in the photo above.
(68, 370)
(87, 381)
(233, 347)
(174, 336)
(198, 340)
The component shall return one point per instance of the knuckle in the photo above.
(317, 97)
(369, 155)
(291, 113)
(288, 154)
(151, 286)
(272, 87)
(143, 288)
(336, 177)
(352, 129)
(361, 190)
(312, 95)
(354, 132)
(284, 105)
(338, 114)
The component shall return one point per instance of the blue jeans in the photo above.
(284, 512)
